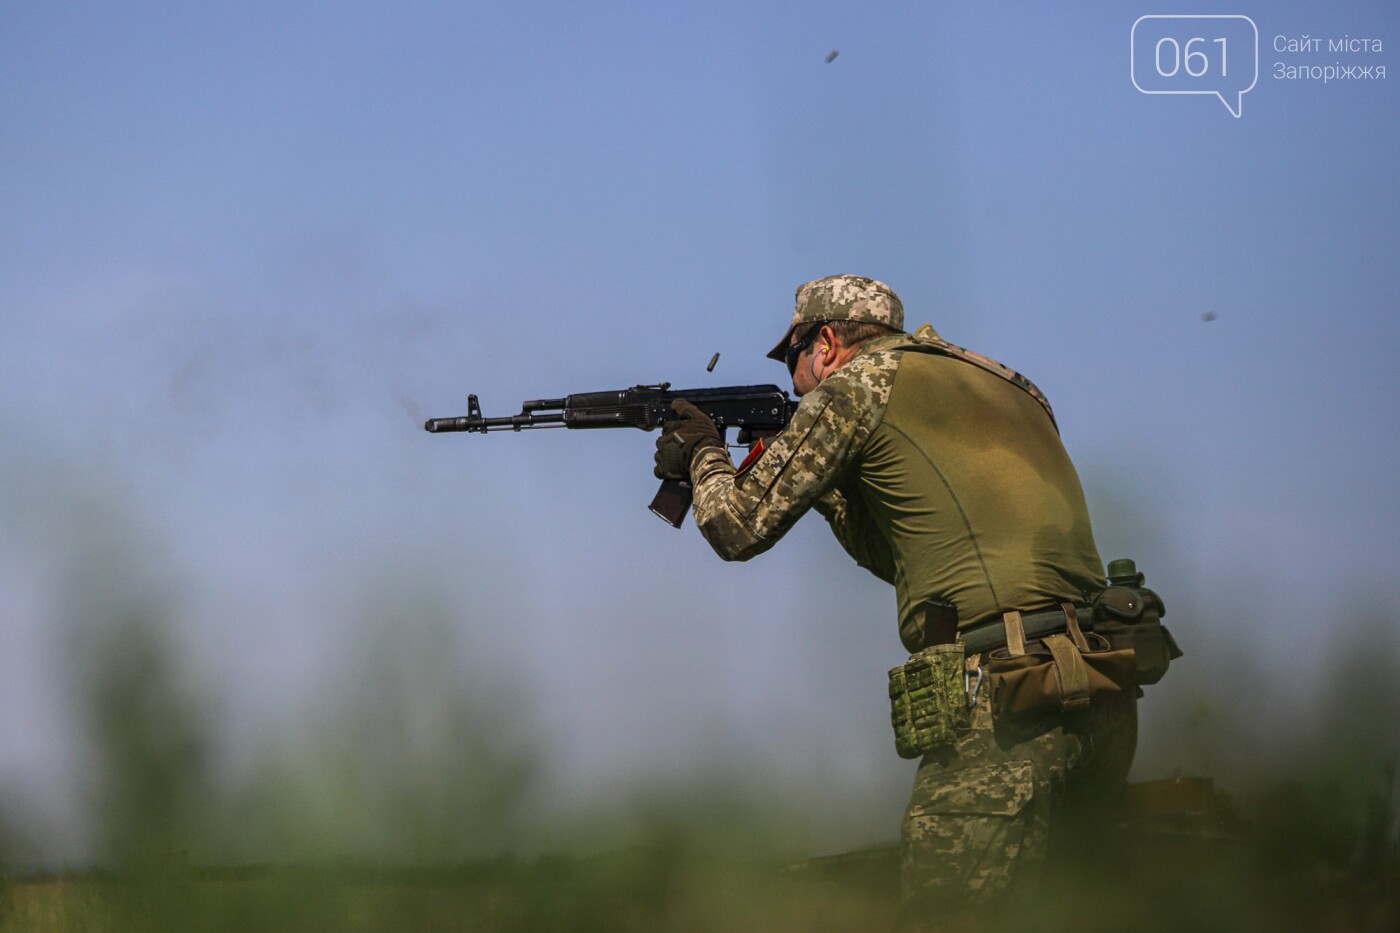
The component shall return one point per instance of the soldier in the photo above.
(942, 472)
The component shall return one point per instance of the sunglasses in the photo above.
(795, 350)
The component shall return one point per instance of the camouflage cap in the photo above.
(843, 298)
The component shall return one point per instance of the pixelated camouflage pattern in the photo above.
(989, 811)
(744, 515)
(843, 298)
(928, 699)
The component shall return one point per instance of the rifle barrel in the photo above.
(525, 419)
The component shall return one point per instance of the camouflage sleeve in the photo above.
(743, 514)
(850, 522)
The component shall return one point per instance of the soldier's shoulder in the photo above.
(864, 383)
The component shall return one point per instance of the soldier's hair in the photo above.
(854, 333)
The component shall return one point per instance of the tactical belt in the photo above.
(992, 634)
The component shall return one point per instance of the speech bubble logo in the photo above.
(1210, 54)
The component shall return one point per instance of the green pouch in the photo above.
(928, 699)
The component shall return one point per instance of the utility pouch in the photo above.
(1056, 673)
(928, 699)
(1130, 618)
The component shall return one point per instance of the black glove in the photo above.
(680, 439)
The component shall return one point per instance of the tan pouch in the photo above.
(1057, 673)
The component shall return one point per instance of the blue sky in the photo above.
(245, 249)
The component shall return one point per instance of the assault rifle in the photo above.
(757, 411)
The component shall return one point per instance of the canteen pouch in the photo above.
(1054, 674)
(928, 699)
(1130, 618)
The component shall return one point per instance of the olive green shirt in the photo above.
(937, 475)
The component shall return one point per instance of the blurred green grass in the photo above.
(396, 805)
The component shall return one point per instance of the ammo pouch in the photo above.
(1055, 673)
(1130, 618)
(928, 699)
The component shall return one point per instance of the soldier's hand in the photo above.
(681, 438)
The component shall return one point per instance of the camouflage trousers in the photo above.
(989, 813)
